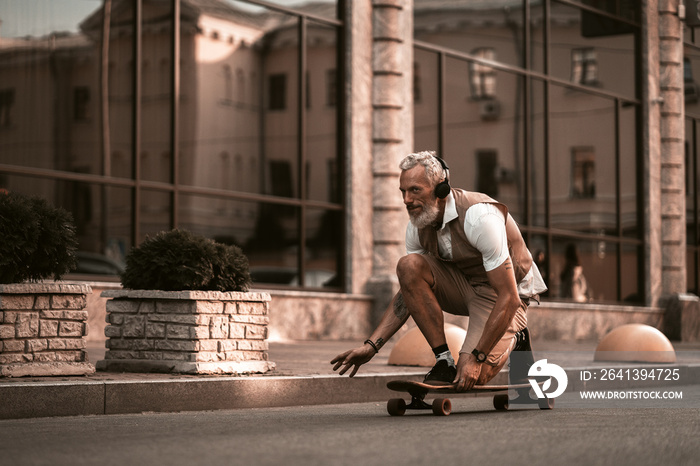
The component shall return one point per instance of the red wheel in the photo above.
(442, 407)
(500, 402)
(396, 407)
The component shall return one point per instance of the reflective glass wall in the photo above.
(691, 81)
(536, 103)
(219, 117)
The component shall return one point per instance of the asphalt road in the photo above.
(360, 435)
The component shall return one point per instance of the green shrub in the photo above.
(179, 260)
(37, 240)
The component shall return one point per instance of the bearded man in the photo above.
(465, 256)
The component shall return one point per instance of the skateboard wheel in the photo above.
(396, 407)
(500, 402)
(442, 407)
(546, 403)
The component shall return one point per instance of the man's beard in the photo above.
(428, 216)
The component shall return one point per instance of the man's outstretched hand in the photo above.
(353, 358)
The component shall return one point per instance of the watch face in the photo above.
(480, 356)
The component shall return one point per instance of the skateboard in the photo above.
(443, 406)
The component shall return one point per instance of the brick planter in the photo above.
(42, 330)
(193, 332)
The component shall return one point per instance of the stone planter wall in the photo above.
(42, 330)
(193, 332)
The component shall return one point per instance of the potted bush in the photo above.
(42, 324)
(186, 308)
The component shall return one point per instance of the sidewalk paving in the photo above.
(303, 376)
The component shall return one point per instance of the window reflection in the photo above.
(69, 102)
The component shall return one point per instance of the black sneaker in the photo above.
(441, 374)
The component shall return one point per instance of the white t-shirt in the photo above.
(485, 228)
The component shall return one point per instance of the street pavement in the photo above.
(359, 434)
(303, 377)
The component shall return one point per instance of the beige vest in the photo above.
(466, 256)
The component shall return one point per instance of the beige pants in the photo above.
(457, 296)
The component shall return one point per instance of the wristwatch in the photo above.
(480, 355)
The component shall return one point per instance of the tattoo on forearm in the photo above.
(400, 310)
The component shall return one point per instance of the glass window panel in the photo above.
(582, 162)
(584, 271)
(691, 81)
(468, 26)
(692, 271)
(267, 233)
(539, 146)
(425, 111)
(323, 164)
(537, 45)
(101, 215)
(155, 213)
(156, 97)
(484, 138)
(691, 200)
(272, 247)
(280, 128)
(629, 275)
(537, 244)
(120, 88)
(592, 50)
(629, 201)
(49, 99)
(324, 236)
(239, 125)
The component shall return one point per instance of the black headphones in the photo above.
(442, 190)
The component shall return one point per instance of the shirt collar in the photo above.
(450, 210)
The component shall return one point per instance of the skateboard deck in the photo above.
(443, 406)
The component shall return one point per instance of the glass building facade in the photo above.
(537, 104)
(228, 118)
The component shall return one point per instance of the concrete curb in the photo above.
(28, 400)
(71, 398)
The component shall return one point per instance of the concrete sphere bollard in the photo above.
(635, 342)
(412, 349)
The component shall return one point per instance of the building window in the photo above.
(331, 88)
(583, 173)
(486, 169)
(584, 66)
(240, 83)
(81, 103)
(7, 101)
(228, 84)
(417, 89)
(482, 78)
(278, 92)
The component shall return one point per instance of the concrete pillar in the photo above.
(672, 160)
(392, 138)
(358, 137)
(651, 146)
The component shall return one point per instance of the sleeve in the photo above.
(412, 242)
(485, 228)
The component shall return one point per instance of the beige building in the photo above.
(280, 127)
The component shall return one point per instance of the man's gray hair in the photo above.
(428, 159)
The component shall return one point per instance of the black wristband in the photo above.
(371, 343)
